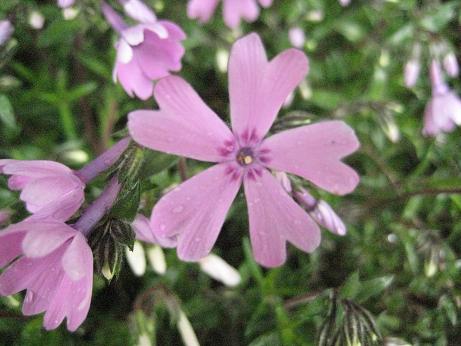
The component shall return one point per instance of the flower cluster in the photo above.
(50, 254)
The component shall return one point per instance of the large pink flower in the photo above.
(443, 111)
(195, 211)
(145, 52)
(234, 10)
(54, 263)
(48, 188)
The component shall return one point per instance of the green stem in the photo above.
(67, 121)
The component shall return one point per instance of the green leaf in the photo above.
(438, 19)
(155, 162)
(127, 205)
(374, 287)
(351, 287)
(7, 113)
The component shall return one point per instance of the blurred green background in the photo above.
(400, 258)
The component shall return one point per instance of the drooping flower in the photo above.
(146, 51)
(6, 30)
(234, 10)
(195, 211)
(443, 111)
(48, 188)
(54, 263)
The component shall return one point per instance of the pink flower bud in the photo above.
(297, 37)
(6, 30)
(411, 73)
(450, 64)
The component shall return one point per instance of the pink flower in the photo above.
(48, 188)
(450, 64)
(234, 10)
(145, 52)
(297, 37)
(344, 2)
(6, 30)
(443, 111)
(411, 73)
(65, 3)
(54, 263)
(195, 211)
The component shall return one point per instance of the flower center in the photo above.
(245, 156)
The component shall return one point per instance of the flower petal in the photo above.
(35, 168)
(274, 219)
(183, 126)
(133, 79)
(77, 258)
(201, 9)
(195, 211)
(234, 10)
(139, 11)
(10, 246)
(314, 152)
(258, 89)
(40, 242)
(144, 233)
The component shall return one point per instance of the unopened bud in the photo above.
(6, 30)
(136, 259)
(450, 64)
(411, 72)
(36, 20)
(157, 259)
(220, 270)
(297, 37)
(321, 212)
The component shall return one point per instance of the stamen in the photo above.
(245, 156)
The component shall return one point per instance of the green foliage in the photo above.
(397, 271)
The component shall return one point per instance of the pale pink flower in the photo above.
(6, 30)
(443, 111)
(344, 2)
(48, 188)
(297, 37)
(54, 263)
(146, 51)
(450, 64)
(65, 3)
(195, 211)
(411, 72)
(234, 10)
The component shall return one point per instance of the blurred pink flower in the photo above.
(344, 2)
(65, 3)
(54, 263)
(450, 64)
(48, 188)
(234, 10)
(145, 52)
(195, 211)
(6, 30)
(297, 37)
(443, 111)
(411, 73)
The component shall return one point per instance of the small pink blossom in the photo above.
(443, 111)
(450, 64)
(344, 2)
(195, 211)
(54, 263)
(48, 188)
(320, 211)
(411, 72)
(146, 51)
(6, 30)
(65, 3)
(297, 37)
(234, 10)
